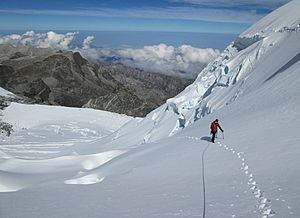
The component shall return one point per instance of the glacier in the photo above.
(65, 162)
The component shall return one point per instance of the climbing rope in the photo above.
(203, 181)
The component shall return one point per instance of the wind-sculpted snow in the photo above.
(50, 169)
(34, 115)
(47, 142)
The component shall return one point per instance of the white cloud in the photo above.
(10, 39)
(40, 40)
(185, 61)
(87, 42)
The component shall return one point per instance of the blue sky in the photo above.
(214, 16)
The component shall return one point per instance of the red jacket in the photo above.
(214, 127)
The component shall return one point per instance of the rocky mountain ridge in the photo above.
(65, 78)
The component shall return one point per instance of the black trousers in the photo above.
(213, 136)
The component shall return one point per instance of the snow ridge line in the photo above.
(264, 204)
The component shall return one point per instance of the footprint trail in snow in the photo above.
(264, 205)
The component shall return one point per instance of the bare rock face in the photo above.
(66, 78)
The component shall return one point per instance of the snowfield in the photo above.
(64, 162)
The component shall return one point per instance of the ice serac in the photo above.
(255, 57)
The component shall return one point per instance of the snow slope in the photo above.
(164, 165)
(5, 93)
(29, 116)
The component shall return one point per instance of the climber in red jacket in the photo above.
(214, 129)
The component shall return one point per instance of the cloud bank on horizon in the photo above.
(41, 40)
(184, 61)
